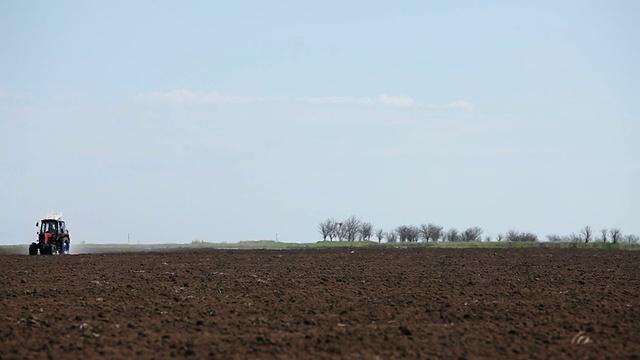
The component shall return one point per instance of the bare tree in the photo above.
(472, 234)
(556, 238)
(516, 236)
(616, 235)
(632, 239)
(586, 233)
(380, 234)
(500, 237)
(452, 235)
(338, 231)
(424, 232)
(435, 232)
(323, 231)
(603, 233)
(391, 236)
(430, 232)
(512, 235)
(413, 234)
(327, 229)
(403, 233)
(351, 228)
(408, 233)
(574, 238)
(333, 231)
(527, 237)
(366, 231)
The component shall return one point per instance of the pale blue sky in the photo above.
(228, 121)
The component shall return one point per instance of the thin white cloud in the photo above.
(400, 100)
(273, 98)
(460, 104)
(198, 97)
(201, 97)
(340, 100)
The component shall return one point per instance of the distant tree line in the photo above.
(605, 235)
(355, 229)
(351, 229)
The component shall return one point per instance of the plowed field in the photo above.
(333, 303)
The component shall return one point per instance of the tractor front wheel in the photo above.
(33, 249)
(46, 250)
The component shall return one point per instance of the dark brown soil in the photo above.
(369, 303)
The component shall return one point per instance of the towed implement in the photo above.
(53, 236)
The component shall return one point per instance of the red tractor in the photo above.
(53, 237)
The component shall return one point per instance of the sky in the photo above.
(174, 121)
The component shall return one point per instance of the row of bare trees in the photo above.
(353, 228)
(605, 235)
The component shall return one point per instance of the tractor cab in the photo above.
(51, 226)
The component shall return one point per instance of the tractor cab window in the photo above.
(50, 227)
(63, 229)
